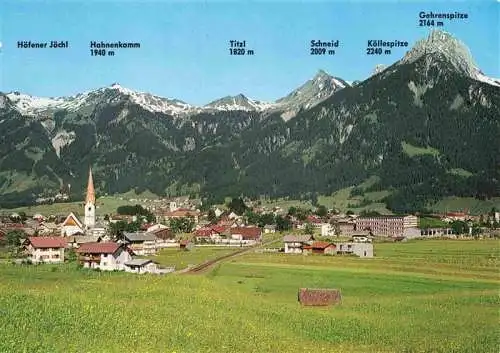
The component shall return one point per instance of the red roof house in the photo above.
(45, 249)
(46, 242)
(320, 247)
(246, 233)
(107, 256)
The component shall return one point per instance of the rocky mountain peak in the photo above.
(445, 45)
(312, 92)
(442, 45)
(238, 102)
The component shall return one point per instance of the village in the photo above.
(129, 242)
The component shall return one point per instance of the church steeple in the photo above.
(90, 189)
(90, 203)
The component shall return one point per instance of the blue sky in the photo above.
(184, 45)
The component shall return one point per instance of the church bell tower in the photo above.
(90, 203)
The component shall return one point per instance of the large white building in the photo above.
(390, 226)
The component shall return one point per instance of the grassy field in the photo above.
(105, 205)
(182, 259)
(427, 296)
(475, 206)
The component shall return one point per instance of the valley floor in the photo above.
(420, 296)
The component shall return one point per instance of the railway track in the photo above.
(205, 265)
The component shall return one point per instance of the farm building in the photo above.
(45, 249)
(320, 247)
(294, 244)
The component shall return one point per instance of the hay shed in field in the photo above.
(319, 296)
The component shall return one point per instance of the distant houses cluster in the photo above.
(360, 246)
(51, 239)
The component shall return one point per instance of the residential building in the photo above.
(209, 233)
(246, 234)
(359, 249)
(141, 266)
(294, 244)
(164, 236)
(45, 249)
(181, 213)
(108, 256)
(48, 229)
(75, 241)
(269, 228)
(412, 233)
(141, 243)
(389, 226)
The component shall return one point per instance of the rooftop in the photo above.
(138, 262)
(47, 242)
(139, 236)
(297, 238)
(99, 248)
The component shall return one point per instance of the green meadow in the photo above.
(182, 259)
(436, 296)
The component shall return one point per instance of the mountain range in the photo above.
(420, 129)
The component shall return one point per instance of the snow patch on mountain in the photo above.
(32, 105)
(239, 102)
(27, 104)
(489, 80)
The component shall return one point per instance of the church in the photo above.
(73, 226)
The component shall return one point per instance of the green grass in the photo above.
(181, 259)
(460, 172)
(474, 206)
(342, 200)
(105, 205)
(412, 151)
(438, 296)
(430, 222)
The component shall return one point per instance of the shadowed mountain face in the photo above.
(427, 127)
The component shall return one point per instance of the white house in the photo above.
(141, 266)
(269, 228)
(45, 249)
(294, 244)
(76, 241)
(141, 243)
(327, 230)
(108, 256)
(246, 235)
(218, 212)
(359, 249)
